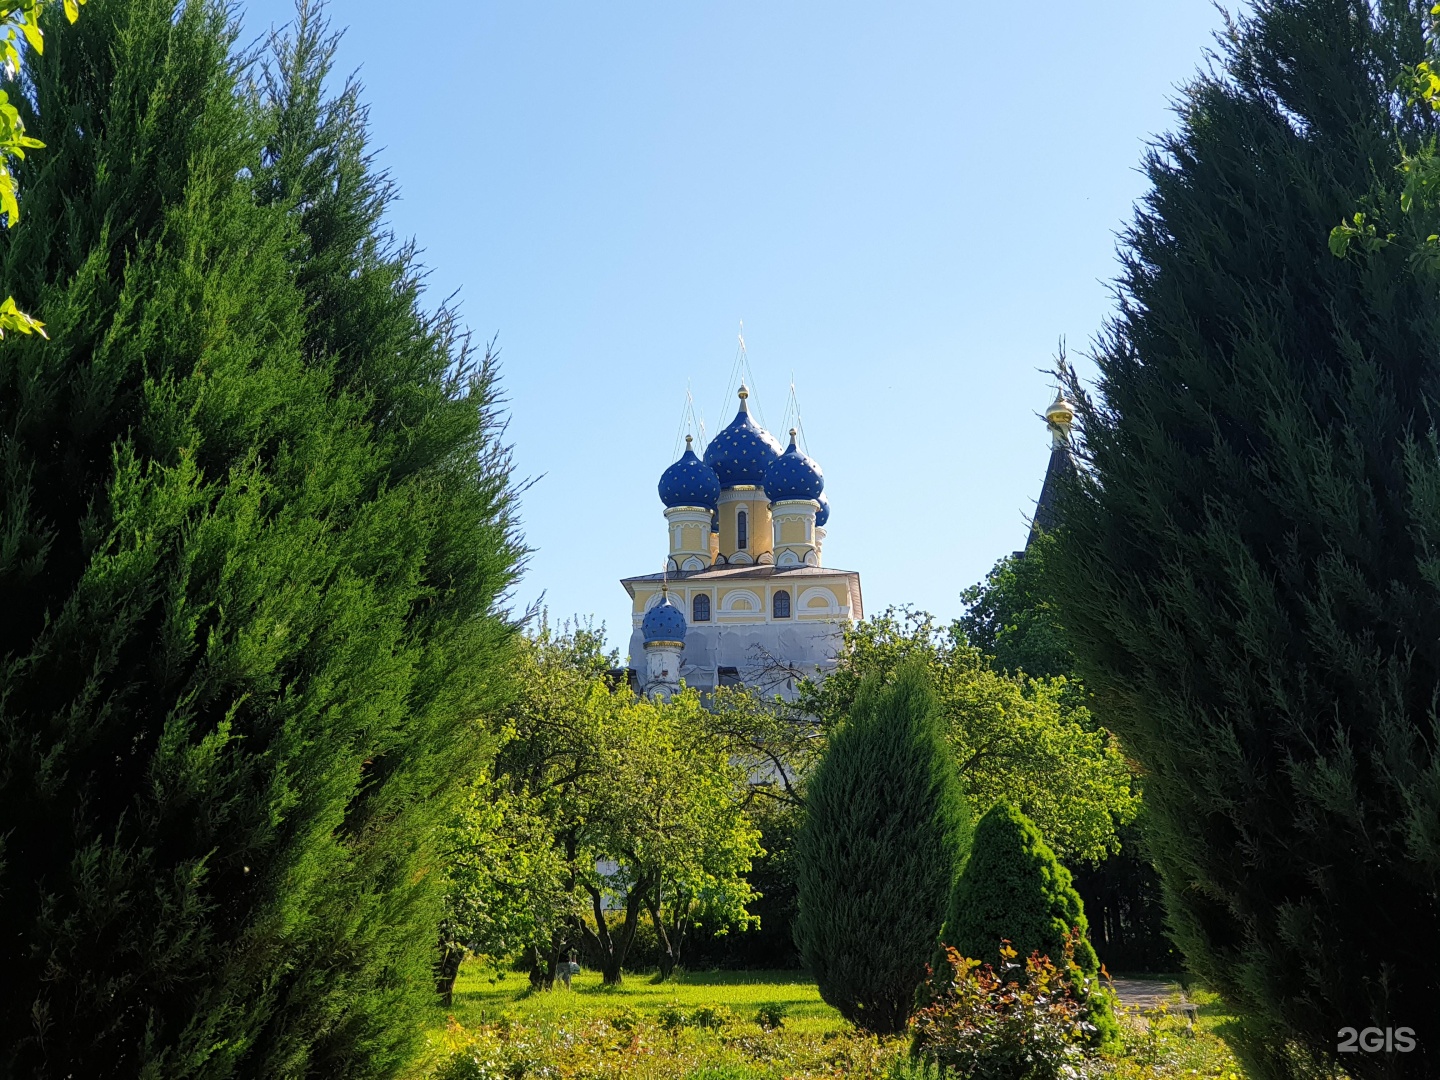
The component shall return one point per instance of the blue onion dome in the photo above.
(663, 622)
(689, 482)
(742, 452)
(793, 475)
(823, 514)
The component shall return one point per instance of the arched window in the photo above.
(700, 608)
(742, 530)
(780, 605)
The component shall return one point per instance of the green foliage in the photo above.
(1014, 890)
(641, 805)
(251, 575)
(506, 878)
(886, 828)
(1011, 616)
(19, 28)
(1014, 738)
(600, 1031)
(771, 1015)
(980, 1025)
(1247, 567)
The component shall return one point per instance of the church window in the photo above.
(700, 608)
(780, 605)
(742, 530)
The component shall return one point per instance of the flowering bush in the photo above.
(978, 1026)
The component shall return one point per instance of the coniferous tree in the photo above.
(1246, 565)
(1014, 889)
(887, 827)
(253, 551)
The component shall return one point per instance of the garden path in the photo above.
(1146, 993)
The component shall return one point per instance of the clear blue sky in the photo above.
(908, 205)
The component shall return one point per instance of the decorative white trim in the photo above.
(741, 558)
(802, 606)
(788, 558)
(693, 563)
(727, 605)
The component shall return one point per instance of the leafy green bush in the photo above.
(627, 1019)
(887, 826)
(912, 1068)
(982, 1027)
(711, 1017)
(770, 1016)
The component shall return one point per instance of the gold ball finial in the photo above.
(744, 393)
(1060, 413)
(688, 440)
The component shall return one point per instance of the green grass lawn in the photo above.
(479, 1000)
(704, 1026)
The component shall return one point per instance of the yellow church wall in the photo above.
(793, 531)
(804, 594)
(760, 531)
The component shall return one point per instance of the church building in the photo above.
(745, 598)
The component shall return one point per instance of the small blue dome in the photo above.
(663, 622)
(823, 514)
(742, 452)
(793, 475)
(689, 482)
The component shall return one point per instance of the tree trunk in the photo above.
(668, 957)
(613, 949)
(446, 971)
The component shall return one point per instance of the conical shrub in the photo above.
(1014, 889)
(887, 827)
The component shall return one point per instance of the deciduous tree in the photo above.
(1013, 737)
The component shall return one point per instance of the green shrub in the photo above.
(983, 1026)
(711, 1017)
(770, 1016)
(887, 827)
(913, 1068)
(627, 1019)
(1014, 890)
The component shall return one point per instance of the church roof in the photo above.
(689, 482)
(663, 622)
(1046, 513)
(742, 451)
(793, 475)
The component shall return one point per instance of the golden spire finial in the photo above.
(744, 393)
(1058, 418)
(688, 440)
(1060, 410)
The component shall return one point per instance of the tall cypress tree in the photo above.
(1246, 563)
(252, 556)
(886, 830)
